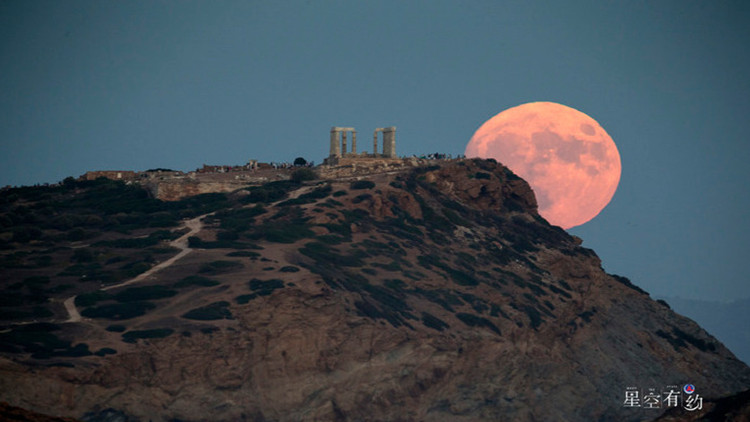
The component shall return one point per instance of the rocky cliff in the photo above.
(436, 293)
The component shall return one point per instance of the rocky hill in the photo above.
(434, 293)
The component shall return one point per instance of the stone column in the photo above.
(389, 142)
(343, 143)
(335, 148)
(354, 142)
(375, 142)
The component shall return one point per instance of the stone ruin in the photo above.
(340, 147)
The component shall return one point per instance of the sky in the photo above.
(134, 85)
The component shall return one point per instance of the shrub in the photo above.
(289, 269)
(82, 255)
(264, 288)
(284, 230)
(559, 291)
(25, 234)
(135, 268)
(116, 328)
(395, 284)
(133, 336)
(130, 243)
(339, 193)
(327, 256)
(702, 345)
(118, 311)
(414, 275)
(90, 299)
(78, 234)
(445, 298)
(35, 313)
(270, 192)
(197, 243)
(303, 174)
(330, 239)
(535, 317)
(477, 321)
(238, 220)
(105, 351)
(218, 267)
(318, 193)
(679, 339)
(388, 304)
(243, 299)
(454, 218)
(625, 281)
(59, 288)
(586, 315)
(676, 342)
(479, 305)
(196, 280)
(433, 322)
(362, 184)
(360, 198)
(135, 294)
(79, 350)
(30, 338)
(495, 311)
(80, 269)
(36, 280)
(214, 311)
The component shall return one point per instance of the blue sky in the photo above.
(142, 84)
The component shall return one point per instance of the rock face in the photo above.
(176, 188)
(432, 294)
(173, 190)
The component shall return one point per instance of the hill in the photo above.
(434, 293)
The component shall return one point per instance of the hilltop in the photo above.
(426, 292)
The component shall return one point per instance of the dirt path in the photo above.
(195, 225)
(70, 306)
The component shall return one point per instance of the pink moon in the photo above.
(569, 160)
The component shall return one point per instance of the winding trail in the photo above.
(195, 225)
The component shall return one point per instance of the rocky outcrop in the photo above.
(176, 189)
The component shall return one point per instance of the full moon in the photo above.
(569, 160)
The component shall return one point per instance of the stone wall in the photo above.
(110, 174)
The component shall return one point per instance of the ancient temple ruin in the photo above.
(339, 147)
(389, 141)
(338, 141)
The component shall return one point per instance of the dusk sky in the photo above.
(118, 85)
